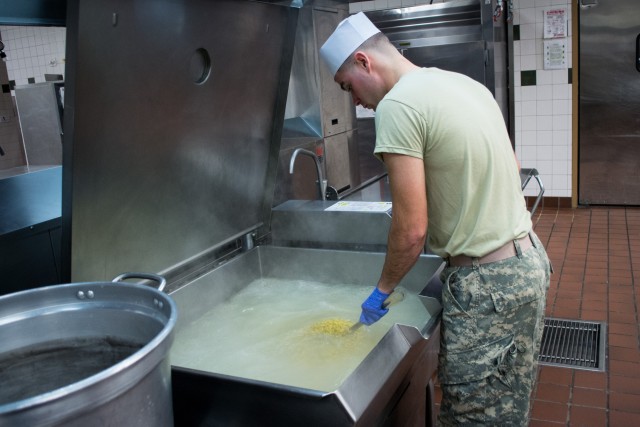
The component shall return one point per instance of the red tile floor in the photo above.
(595, 254)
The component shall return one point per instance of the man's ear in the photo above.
(362, 60)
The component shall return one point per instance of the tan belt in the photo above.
(504, 252)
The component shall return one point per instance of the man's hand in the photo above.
(372, 307)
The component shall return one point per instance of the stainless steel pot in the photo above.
(87, 354)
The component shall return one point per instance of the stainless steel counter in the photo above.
(30, 229)
(30, 200)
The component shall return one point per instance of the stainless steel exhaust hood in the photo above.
(173, 120)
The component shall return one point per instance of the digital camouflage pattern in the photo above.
(492, 323)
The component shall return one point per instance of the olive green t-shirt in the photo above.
(450, 121)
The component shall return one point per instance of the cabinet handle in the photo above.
(638, 53)
(586, 4)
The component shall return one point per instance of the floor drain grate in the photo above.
(573, 344)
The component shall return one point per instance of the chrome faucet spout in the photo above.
(322, 183)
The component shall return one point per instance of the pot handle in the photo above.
(161, 280)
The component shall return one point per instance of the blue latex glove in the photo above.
(372, 309)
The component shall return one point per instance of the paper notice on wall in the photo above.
(555, 23)
(555, 54)
(360, 206)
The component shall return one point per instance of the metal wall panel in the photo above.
(168, 163)
(609, 139)
(338, 112)
(303, 98)
(340, 160)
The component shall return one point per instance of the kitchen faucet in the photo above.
(322, 183)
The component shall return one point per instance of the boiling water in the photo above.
(48, 366)
(265, 332)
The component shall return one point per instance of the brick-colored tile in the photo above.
(572, 287)
(624, 354)
(566, 312)
(629, 369)
(590, 379)
(594, 315)
(587, 417)
(623, 419)
(625, 402)
(618, 298)
(622, 307)
(549, 411)
(552, 393)
(619, 288)
(624, 384)
(594, 305)
(626, 341)
(593, 398)
(623, 328)
(628, 318)
(553, 375)
(568, 300)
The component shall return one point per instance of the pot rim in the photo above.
(65, 392)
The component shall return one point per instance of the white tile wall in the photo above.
(542, 112)
(33, 52)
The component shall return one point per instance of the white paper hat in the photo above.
(349, 35)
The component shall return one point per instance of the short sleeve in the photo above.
(400, 129)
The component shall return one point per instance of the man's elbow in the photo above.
(416, 239)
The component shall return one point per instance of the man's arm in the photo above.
(409, 220)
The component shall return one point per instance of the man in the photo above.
(447, 151)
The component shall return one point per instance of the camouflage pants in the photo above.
(492, 323)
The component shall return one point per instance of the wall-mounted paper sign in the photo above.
(555, 22)
(555, 54)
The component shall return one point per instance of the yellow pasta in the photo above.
(337, 327)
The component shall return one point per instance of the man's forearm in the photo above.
(404, 248)
(409, 220)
